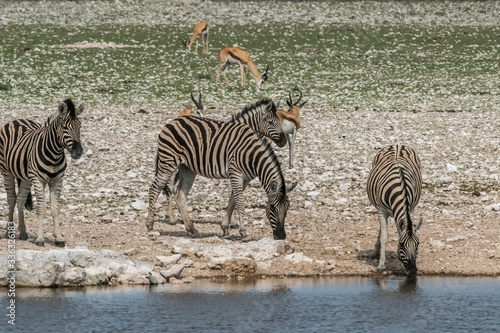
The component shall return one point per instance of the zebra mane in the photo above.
(250, 110)
(275, 164)
(50, 119)
(409, 223)
(71, 107)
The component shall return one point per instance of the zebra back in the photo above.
(262, 118)
(395, 181)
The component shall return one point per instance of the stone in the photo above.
(174, 271)
(495, 207)
(170, 260)
(139, 205)
(451, 167)
(455, 238)
(298, 257)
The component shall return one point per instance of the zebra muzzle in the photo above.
(77, 150)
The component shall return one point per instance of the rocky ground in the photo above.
(331, 226)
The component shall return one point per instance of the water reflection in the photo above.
(407, 285)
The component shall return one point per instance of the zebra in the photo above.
(34, 155)
(262, 118)
(222, 150)
(394, 188)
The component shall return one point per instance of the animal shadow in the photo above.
(392, 262)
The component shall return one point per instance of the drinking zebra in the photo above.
(34, 155)
(394, 187)
(222, 150)
(262, 118)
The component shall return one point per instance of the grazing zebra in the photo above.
(222, 150)
(262, 118)
(34, 154)
(394, 187)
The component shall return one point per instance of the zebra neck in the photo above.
(269, 169)
(51, 143)
(251, 114)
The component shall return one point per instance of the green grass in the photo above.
(383, 66)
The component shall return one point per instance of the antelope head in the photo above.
(263, 78)
(291, 104)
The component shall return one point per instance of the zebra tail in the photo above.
(405, 196)
(29, 199)
(157, 161)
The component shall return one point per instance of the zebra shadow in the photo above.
(392, 262)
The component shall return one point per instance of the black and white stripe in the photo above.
(262, 118)
(222, 150)
(394, 188)
(34, 155)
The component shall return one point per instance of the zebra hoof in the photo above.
(379, 269)
(40, 243)
(60, 243)
(23, 236)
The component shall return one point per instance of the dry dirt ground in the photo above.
(330, 219)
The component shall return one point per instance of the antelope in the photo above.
(290, 122)
(232, 55)
(190, 110)
(200, 29)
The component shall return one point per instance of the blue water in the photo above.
(266, 305)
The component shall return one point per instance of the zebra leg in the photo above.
(382, 240)
(55, 194)
(10, 187)
(41, 210)
(24, 189)
(154, 191)
(229, 212)
(172, 186)
(186, 179)
(237, 189)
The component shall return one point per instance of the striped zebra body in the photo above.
(34, 155)
(394, 188)
(216, 149)
(262, 118)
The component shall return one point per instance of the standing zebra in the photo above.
(34, 155)
(222, 150)
(394, 187)
(262, 118)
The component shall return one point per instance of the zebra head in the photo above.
(69, 128)
(408, 245)
(270, 125)
(277, 207)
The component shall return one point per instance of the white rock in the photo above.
(451, 167)
(174, 271)
(456, 238)
(308, 186)
(170, 260)
(298, 257)
(342, 201)
(139, 205)
(495, 207)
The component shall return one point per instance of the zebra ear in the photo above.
(266, 110)
(291, 187)
(80, 109)
(418, 224)
(63, 109)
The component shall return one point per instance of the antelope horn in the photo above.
(199, 101)
(289, 100)
(301, 105)
(297, 102)
(188, 107)
(183, 42)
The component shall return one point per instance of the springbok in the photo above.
(190, 110)
(200, 29)
(290, 122)
(234, 56)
